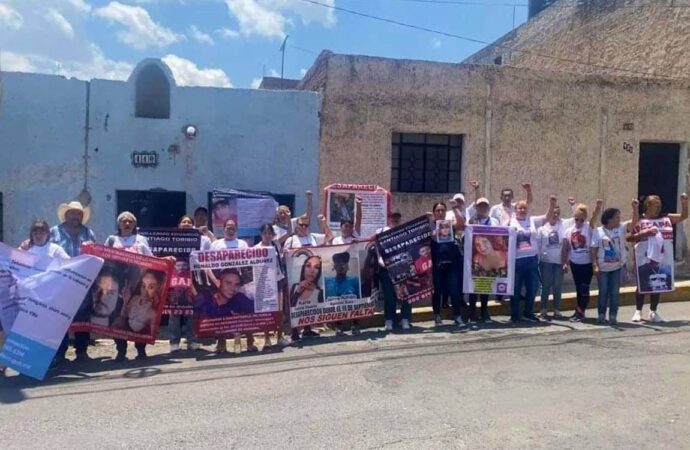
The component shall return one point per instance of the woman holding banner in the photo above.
(655, 229)
(268, 240)
(526, 259)
(481, 216)
(447, 267)
(128, 239)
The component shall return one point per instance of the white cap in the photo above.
(482, 201)
(458, 197)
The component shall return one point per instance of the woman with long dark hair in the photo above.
(268, 240)
(39, 244)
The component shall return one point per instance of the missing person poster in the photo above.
(339, 204)
(127, 297)
(330, 284)
(406, 253)
(242, 296)
(179, 243)
(489, 260)
(249, 210)
(39, 296)
(654, 265)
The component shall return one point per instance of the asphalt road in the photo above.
(541, 387)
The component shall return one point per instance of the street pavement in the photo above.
(553, 385)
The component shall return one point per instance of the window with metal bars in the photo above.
(426, 163)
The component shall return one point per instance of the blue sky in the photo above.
(234, 42)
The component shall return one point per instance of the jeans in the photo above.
(447, 283)
(390, 300)
(582, 275)
(609, 293)
(175, 328)
(551, 281)
(484, 301)
(527, 275)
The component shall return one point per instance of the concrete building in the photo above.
(147, 145)
(424, 129)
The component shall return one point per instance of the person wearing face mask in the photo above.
(655, 228)
(128, 239)
(576, 255)
(526, 259)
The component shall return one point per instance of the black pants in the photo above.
(653, 299)
(121, 346)
(81, 343)
(582, 275)
(484, 300)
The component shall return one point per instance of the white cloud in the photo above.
(256, 82)
(140, 30)
(14, 62)
(255, 19)
(80, 6)
(54, 17)
(436, 42)
(199, 36)
(10, 17)
(227, 33)
(188, 74)
(302, 72)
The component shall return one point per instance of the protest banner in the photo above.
(249, 210)
(127, 298)
(339, 203)
(242, 296)
(655, 269)
(406, 253)
(330, 284)
(179, 243)
(39, 297)
(489, 260)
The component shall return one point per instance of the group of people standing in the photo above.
(548, 246)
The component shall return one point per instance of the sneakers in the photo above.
(576, 318)
(388, 326)
(602, 319)
(437, 320)
(193, 346)
(655, 317)
(544, 314)
(637, 317)
(613, 321)
(557, 315)
(405, 324)
(282, 342)
(174, 348)
(458, 322)
(532, 318)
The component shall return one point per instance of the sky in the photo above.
(233, 43)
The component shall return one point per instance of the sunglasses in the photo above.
(303, 225)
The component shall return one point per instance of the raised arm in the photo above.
(635, 214)
(459, 217)
(552, 207)
(358, 215)
(310, 205)
(573, 203)
(325, 229)
(683, 214)
(596, 213)
(528, 190)
(474, 184)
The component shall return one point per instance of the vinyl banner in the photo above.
(179, 243)
(339, 203)
(39, 296)
(489, 260)
(249, 210)
(127, 298)
(406, 253)
(655, 269)
(242, 293)
(330, 284)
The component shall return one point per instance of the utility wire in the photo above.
(489, 44)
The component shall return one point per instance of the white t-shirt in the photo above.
(279, 272)
(222, 244)
(502, 214)
(205, 243)
(579, 240)
(550, 238)
(310, 240)
(611, 244)
(340, 240)
(527, 244)
(280, 231)
(50, 249)
(136, 243)
(488, 221)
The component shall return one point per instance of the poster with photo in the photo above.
(406, 253)
(249, 210)
(127, 297)
(242, 296)
(339, 204)
(444, 231)
(179, 243)
(489, 260)
(329, 284)
(655, 269)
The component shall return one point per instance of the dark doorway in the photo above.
(153, 208)
(658, 174)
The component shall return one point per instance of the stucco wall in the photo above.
(561, 132)
(247, 139)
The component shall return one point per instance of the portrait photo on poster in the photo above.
(342, 276)
(308, 269)
(489, 256)
(341, 207)
(222, 210)
(655, 271)
(444, 231)
(233, 294)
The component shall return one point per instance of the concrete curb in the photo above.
(568, 303)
